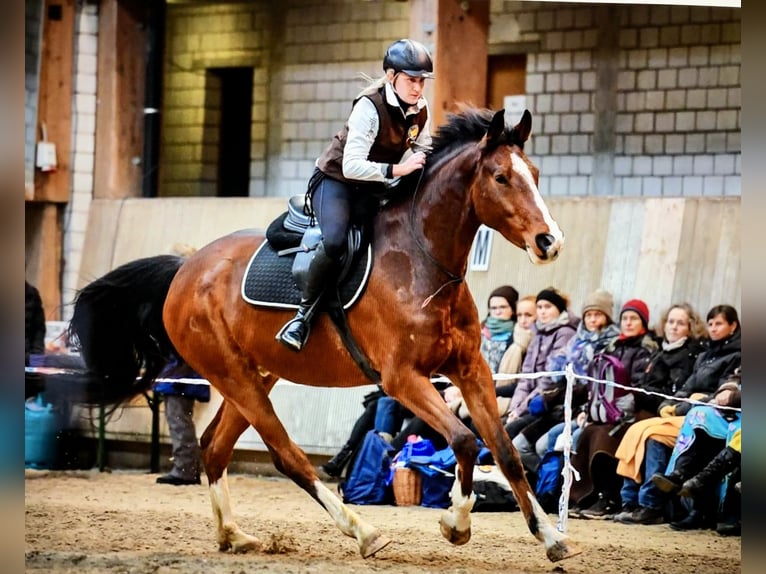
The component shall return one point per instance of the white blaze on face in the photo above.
(521, 168)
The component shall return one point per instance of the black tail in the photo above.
(117, 322)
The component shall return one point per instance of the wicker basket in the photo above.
(406, 485)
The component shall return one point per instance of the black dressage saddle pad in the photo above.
(268, 280)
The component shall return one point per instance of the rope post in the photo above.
(566, 468)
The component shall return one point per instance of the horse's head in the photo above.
(505, 194)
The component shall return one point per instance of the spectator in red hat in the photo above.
(597, 492)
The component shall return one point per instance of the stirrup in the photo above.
(293, 345)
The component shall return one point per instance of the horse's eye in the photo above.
(501, 179)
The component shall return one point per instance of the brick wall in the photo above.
(307, 56)
(630, 100)
(83, 148)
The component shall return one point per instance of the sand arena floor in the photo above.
(122, 522)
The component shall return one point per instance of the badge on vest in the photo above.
(412, 133)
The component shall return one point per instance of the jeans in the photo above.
(646, 494)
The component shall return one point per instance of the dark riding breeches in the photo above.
(331, 201)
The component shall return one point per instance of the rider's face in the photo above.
(408, 88)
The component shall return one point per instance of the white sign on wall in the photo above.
(481, 249)
(514, 105)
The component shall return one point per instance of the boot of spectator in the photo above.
(705, 480)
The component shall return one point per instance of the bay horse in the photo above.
(416, 318)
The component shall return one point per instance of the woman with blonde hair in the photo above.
(383, 139)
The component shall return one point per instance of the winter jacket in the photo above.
(550, 339)
(666, 372)
(634, 352)
(711, 369)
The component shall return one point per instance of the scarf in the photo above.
(666, 346)
(498, 329)
(583, 347)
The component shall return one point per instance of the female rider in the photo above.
(372, 149)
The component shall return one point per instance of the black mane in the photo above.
(468, 125)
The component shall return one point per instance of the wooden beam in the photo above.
(43, 254)
(457, 31)
(120, 91)
(55, 97)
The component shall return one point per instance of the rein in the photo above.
(453, 278)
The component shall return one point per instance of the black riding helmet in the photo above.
(410, 57)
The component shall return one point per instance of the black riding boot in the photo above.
(706, 479)
(334, 467)
(313, 281)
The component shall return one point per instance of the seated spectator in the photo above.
(526, 313)
(366, 422)
(643, 450)
(594, 333)
(598, 490)
(646, 447)
(498, 326)
(554, 327)
(702, 436)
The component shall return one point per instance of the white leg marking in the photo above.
(369, 538)
(228, 532)
(551, 537)
(458, 516)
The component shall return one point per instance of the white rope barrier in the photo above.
(568, 471)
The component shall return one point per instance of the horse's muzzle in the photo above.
(548, 245)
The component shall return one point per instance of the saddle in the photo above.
(270, 277)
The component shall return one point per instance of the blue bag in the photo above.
(366, 484)
(550, 481)
(438, 476)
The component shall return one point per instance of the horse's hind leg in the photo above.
(217, 445)
(254, 403)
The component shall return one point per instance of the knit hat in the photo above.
(552, 296)
(599, 300)
(639, 307)
(508, 293)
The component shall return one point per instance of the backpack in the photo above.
(493, 493)
(366, 483)
(606, 403)
(550, 481)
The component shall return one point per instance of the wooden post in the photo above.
(54, 109)
(120, 90)
(457, 32)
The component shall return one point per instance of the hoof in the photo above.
(241, 547)
(561, 550)
(455, 536)
(238, 542)
(372, 544)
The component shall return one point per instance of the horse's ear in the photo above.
(522, 130)
(496, 130)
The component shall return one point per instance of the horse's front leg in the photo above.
(420, 396)
(479, 395)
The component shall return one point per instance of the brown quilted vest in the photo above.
(389, 146)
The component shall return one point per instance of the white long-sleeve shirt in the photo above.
(363, 126)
